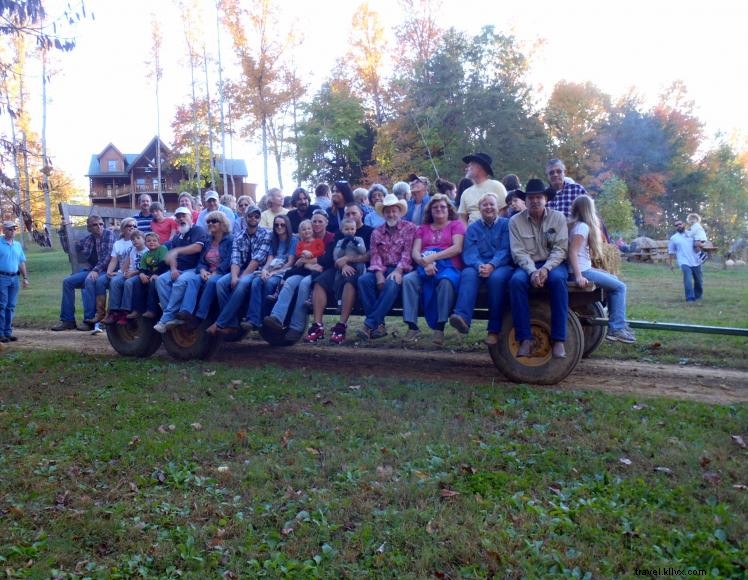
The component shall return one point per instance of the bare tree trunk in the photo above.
(46, 165)
(265, 151)
(210, 122)
(220, 101)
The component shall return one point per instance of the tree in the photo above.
(614, 206)
(573, 117)
(368, 47)
(335, 141)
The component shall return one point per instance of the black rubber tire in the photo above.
(593, 335)
(542, 369)
(136, 338)
(274, 338)
(188, 344)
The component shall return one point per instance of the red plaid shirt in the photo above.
(392, 247)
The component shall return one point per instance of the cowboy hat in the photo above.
(389, 200)
(535, 186)
(481, 159)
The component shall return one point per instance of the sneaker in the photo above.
(86, 326)
(621, 335)
(459, 324)
(379, 332)
(64, 325)
(160, 328)
(412, 335)
(248, 326)
(337, 335)
(364, 333)
(492, 339)
(98, 329)
(315, 333)
(173, 323)
(438, 338)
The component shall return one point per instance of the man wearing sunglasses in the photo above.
(95, 249)
(12, 265)
(566, 191)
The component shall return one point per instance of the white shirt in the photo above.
(583, 255)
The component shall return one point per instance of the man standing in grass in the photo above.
(681, 246)
(12, 264)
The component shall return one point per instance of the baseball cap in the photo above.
(211, 195)
(183, 210)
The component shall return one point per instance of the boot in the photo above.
(100, 310)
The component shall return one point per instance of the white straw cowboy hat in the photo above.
(389, 200)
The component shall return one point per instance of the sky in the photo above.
(101, 92)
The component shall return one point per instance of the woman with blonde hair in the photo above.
(585, 246)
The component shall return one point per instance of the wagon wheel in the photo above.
(185, 343)
(541, 368)
(593, 335)
(136, 338)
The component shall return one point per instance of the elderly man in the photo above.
(325, 283)
(95, 249)
(212, 204)
(479, 170)
(145, 217)
(488, 260)
(419, 192)
(12, 264)
(681, 247)
(183, 255)
(402, 190)
(539, 239)
(391, 248)
(248, 255)
(565, 190)
(303, 208)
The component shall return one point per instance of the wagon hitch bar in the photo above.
(729, 330)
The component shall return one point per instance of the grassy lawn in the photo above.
(655, 293)
(113, 467)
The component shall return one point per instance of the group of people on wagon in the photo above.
(433, 251)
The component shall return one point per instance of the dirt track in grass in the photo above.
(363, 365)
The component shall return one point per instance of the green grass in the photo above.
(113, 467)
(654, 292)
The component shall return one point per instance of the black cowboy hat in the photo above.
(535, 186)
(481, 159)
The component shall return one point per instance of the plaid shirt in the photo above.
(251, 247)
(103, 246)
(390, 248)
(564, 198)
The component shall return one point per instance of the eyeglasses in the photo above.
(253, 215)
(127, 227)
(212, 222)
(280, 225)
(555, 172)
(439, 207)
(98, 225)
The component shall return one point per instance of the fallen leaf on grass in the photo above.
(285, 438)
(196, 426)
(468, 469)
(625, 460)
(134, 441)
(655, 345)
(738, 440)
(312, 450)
(420, 474)
(639, 406)
(430, 528)
(704, 461)
(740, 486)
(712, 477)
(384, 471)
(498, 411)
(223, 469)
(665, 470)
(555, 489)
(209, 373)
(380, 549)
(447, 493)
(355, 387)
(241, 436)
(286, 531)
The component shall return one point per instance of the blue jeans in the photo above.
(193, 282)
(301, 286)
(376, 306)
(171, 292)
(116, 289)
(693, 280)
(207, 298)
(133, 286)
(519, 290)
(445, 298)
(232, 301)
(498, 294)
(257, 309)
(90, 290)
(8, 298)
(615, 291)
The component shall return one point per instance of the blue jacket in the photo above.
(412, 207)
(487, 245)
(224, 250)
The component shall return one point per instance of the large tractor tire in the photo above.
(541, 368)
(136, 338)
(593, 335)
(190, 343)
